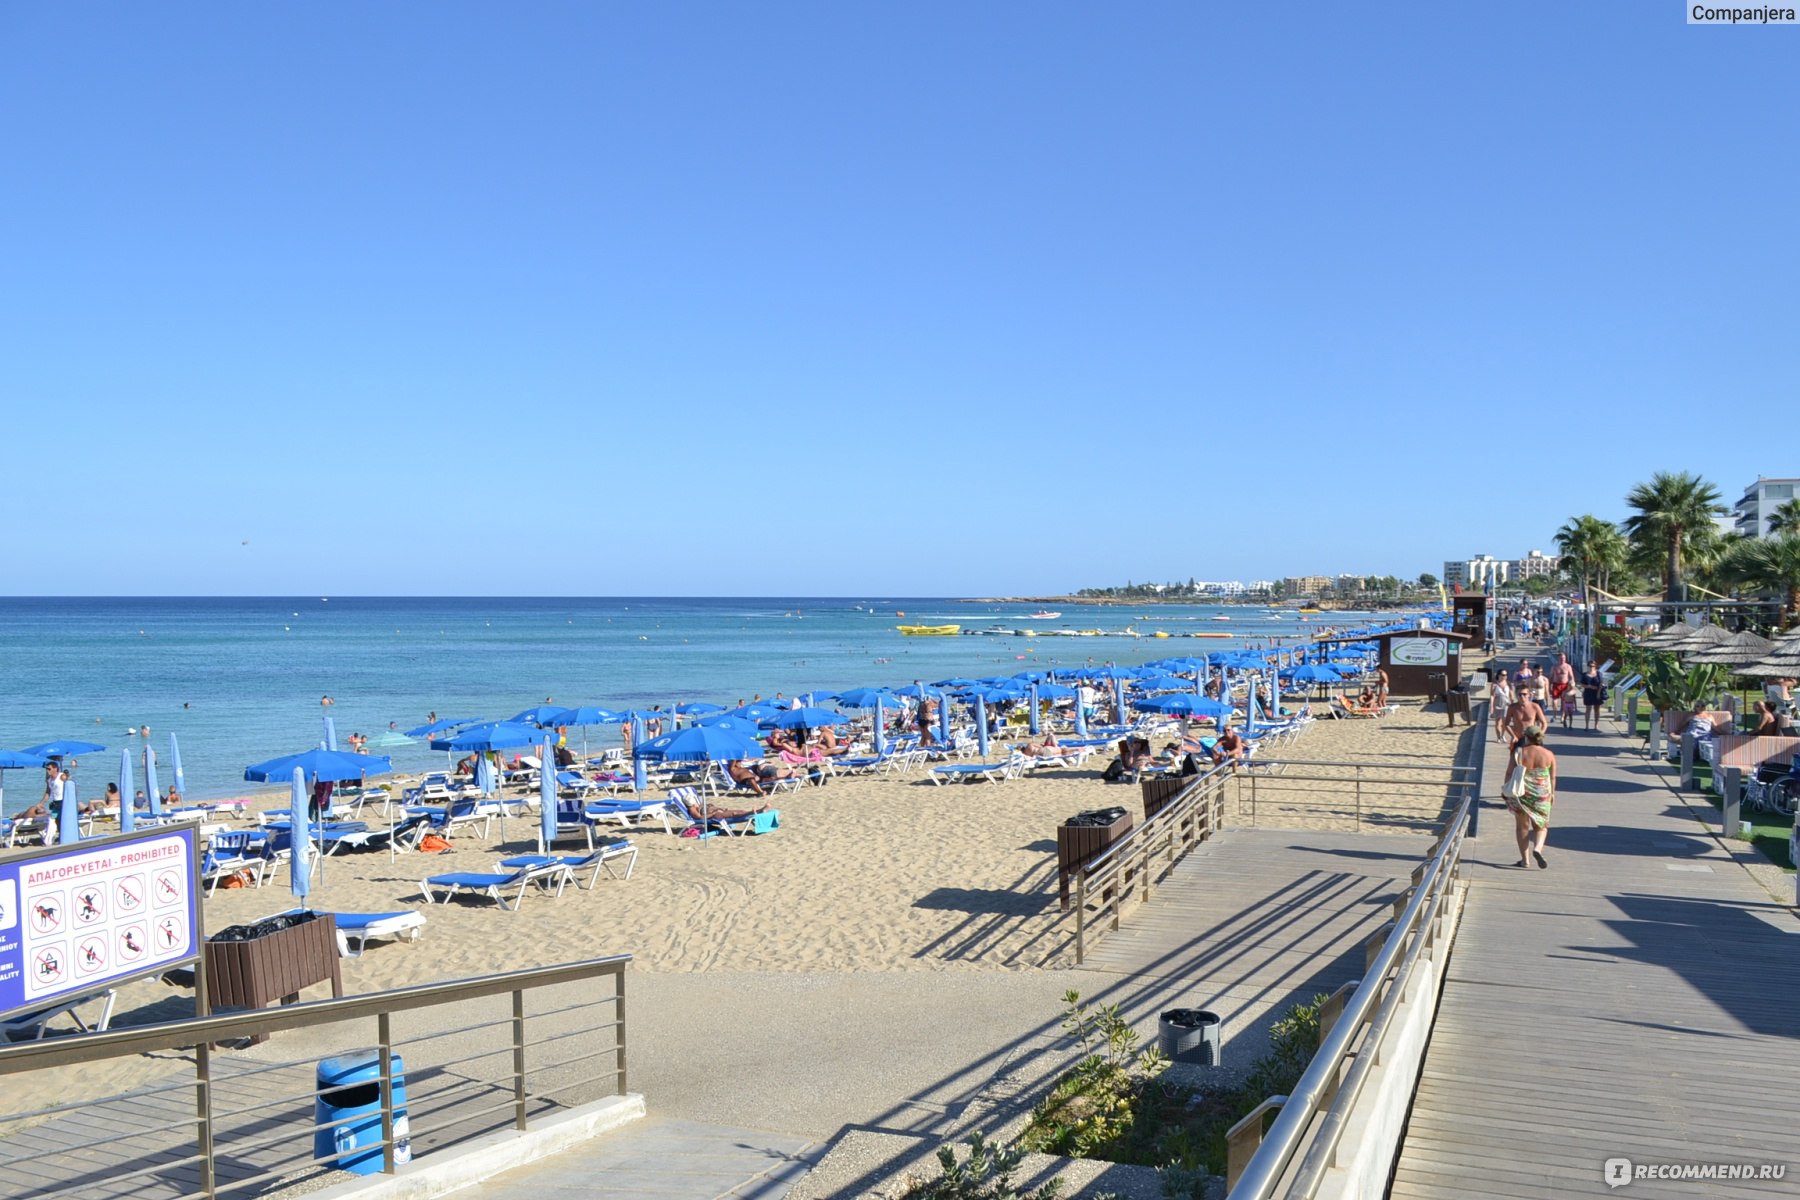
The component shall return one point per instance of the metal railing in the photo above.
(1129, 865)
(257, 1139)
(1358, 785)
(1301, 1143)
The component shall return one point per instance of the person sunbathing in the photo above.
(1362, 707)
(829, 745)
(1134, 753)
(754, 775)
(781, 739)
(1045, 747)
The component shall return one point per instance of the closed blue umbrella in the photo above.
(981, 729)
(640, 775)
(300, 839)
(330, 734)
(150, 784)
(127, 810)
(175, 765)
(944, 721)
(71, 814)
(1033, 725)
(880, 728)
(1080, 717)
(546, 800)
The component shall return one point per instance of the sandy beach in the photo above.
(866, 874)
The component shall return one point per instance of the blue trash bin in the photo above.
(349, 1094)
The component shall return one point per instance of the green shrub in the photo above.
(985, 1175)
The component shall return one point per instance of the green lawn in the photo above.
(1769, 833)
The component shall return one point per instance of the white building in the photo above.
(1477, 572)
(1760, 500)
(1534, 564)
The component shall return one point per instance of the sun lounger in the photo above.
(628, 813)
(599, 861)
(1343, 708)
(685, 802)
(404, 834)
(250, 851)
(995, 772)
(494, 885)
(33, 1025)
(360, 927)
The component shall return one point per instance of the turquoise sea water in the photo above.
(239, 680)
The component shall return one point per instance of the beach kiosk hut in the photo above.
(1468, 615)
(1421, 662)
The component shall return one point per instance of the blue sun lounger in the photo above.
(617, 848)
(494, 885)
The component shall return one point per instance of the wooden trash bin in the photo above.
(276, 965)
(1078, 845)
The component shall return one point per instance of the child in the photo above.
(1568, 708)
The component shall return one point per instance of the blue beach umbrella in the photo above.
(300, 839)
(1033, 715)
(544, 716)
(914, 689)
(150, 783)
(1185, 704)
(1165, 683)
(757, 712)
(493, 735)
(1056, 691)
(954, 683)
(175, 765)
(71, 814)
(330, 733)
(63, 749)
(1315, 673)
(981, 726)
(319, 765)
(546, 800)
(728, 722)
(702, 743)
(867, 697)
(812, 699)
(586, 714)
(127, 810)
(809, 718)
(439, 726)
(698, 708)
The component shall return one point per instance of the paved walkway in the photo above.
(1638, 999)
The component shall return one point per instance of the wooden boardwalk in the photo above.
(1638, 999)
(1271, 913)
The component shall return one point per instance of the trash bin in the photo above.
(1083, 838)
(349, 1092)
(1191, 1035)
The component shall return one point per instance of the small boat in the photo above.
(929, 630)
(1042, 615)
(1160, 633)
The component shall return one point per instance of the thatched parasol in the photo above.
(1781, 662)
(1704, 637)
(1735, 651)
(1667, 639)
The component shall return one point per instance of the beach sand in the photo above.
(866, 874)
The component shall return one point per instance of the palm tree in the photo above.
(1674, 516)
(1785, 518)
(1769, 565)
(1596, 547)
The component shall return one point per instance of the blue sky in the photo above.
(830, 299)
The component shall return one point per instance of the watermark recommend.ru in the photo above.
(1620, 1171)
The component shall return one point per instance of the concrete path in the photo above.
(664, 1157)
(1635, 1000)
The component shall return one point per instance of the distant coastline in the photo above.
(1371, 605)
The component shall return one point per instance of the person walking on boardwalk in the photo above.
(1502, 701)
(1535, 767)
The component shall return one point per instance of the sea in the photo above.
(240, 680)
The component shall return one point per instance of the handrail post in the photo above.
(518, 1032)
(1080, 917)
(619, 1037)
(203, 1117)
(384, 1037)
(1359, 798)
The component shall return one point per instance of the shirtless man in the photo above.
(1381, 688)
(1228, 748)
(1523, 713)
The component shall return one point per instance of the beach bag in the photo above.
(1115, 771)
(1514, 788)
(432, 843)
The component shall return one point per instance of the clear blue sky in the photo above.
(838, 298)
